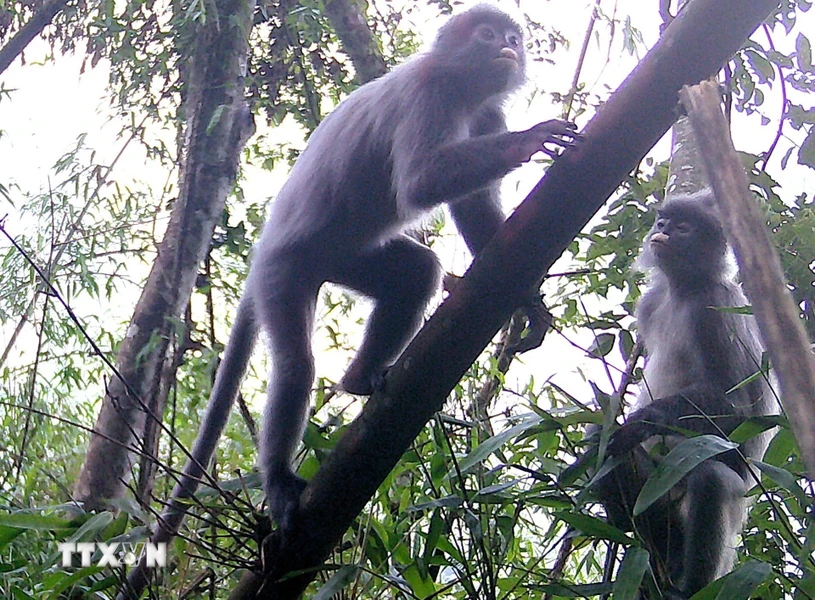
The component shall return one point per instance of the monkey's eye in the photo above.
(660, 224)
(513, 40)
(683, 228)
(486, 33)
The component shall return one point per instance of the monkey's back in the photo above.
(351, 197)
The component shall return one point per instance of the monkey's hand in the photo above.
(538, 321)
(556, 132)
(362, 383)
(697, 411)
(630, 435)
(659, 417)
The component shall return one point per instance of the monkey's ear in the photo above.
(706, 199)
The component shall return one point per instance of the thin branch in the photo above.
(765, 157)
(41, 19)
(567, 110)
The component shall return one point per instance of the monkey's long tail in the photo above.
(227, 383)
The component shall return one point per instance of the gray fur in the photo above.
(430, 132)
(695, 355)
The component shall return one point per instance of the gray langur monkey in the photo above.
(430, 132)
(696, 355)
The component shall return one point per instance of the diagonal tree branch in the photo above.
(759, 266)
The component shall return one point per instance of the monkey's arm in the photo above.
(431, 175)
(700, 412)
(478, 215)
(477, 218)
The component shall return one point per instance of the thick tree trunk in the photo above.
(685, 172)
(348, 20)
(695, 46)
(218, 124)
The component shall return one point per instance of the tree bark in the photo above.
(698, 42)
(218, 125)
(348, 21)
(39, 21)
(685, 172)
(759, 266)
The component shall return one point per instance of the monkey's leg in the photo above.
(401, 277)
(285, 303)
(715, 511)
(659, 527)
(618, 490)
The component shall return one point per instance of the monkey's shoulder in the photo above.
(678, 322)
(662, 298)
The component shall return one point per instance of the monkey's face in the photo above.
(484, 47)
(497, 52)
(686, 241)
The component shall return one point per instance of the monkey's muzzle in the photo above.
(508, 54)
(659, 239)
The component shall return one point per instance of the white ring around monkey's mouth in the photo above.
(509, 54)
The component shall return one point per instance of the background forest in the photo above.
(132, 188)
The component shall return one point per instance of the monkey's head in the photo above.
(484, 46)
(687, 242)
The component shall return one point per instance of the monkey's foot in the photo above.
(283, 492)
(362, 384)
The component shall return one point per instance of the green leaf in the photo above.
(58, 582)
(421, 585)
(806, 154)
(741, 583)
(784, 478)
(486, 448)
(7, 534)
(594, 527)
(446, 502)
(738, 585)
(803, 53)
(629, 577)
(603, 344)
(337, 583)
(498, 487)
(434, 532)
(215, 118)
(626, 344)
(91, 527)
(34, 521)
(752, 427)
(678, 463)
(568, 590)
